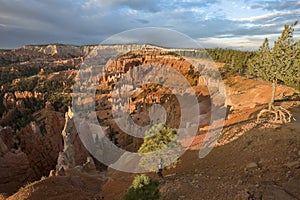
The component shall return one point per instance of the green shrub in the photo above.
(142, 188)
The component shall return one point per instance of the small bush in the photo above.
(143, 188)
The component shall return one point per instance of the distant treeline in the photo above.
(235, 60)
(282, 61)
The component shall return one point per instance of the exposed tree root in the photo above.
(281, 114)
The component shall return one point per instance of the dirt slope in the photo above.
(74, 186)
(264, 161)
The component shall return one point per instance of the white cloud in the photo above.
(247, 42)
(144, 5)
(244, 42)
(193, 10)
(265, 16)
(268, 25)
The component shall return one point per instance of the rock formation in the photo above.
(74, 153)
(30, 153)
(89, 166)
(14, 164)
(66, 159)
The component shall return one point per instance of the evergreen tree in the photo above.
(160, 148)
(235, 61)
(286, 57)
(278, 63)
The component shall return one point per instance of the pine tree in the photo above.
(259, 64)
(286, 56)
(160, 148)
(278, 63)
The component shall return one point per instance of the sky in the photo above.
(212, 23)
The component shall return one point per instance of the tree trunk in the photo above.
(273, 93)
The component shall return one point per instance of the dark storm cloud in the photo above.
(58, 18)
(92, 21)
(34, 21)
(44, 21)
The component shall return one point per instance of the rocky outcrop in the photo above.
(10, 99)
(15, 171)
(133, 67)
(38, 149)
(74, 153)
(29, 153)
(14, 164)
(89, 166)
(56, 50)
(29, 95)
(18, 107)
(66, 159)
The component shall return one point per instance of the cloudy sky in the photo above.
(213, 23)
